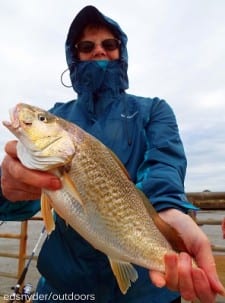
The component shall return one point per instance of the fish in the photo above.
(97, 198)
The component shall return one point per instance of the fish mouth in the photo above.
(14, 122)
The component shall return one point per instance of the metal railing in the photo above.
(21, 256)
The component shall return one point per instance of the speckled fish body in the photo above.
(97, 197)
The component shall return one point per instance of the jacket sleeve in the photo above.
(161, 174)
(19, 211)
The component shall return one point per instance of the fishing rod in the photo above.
(27, 289)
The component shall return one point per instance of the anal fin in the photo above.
(125, 273)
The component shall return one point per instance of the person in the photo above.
(143, 133)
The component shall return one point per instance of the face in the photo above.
(97, 35)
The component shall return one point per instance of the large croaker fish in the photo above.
(97, 197)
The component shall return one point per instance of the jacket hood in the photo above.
(91, 15)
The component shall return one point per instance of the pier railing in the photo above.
(21, 256)
(208, 201)
(22, 238)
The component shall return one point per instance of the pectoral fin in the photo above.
(124, 273)
(46, 211)
(71, 187)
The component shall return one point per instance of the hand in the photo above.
(19, 183)
(192, 282)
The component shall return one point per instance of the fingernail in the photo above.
(160, 283)
(55, 184)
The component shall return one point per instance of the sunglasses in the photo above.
(88, 46)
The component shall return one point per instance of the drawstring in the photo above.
(62, 81)
(63, 73)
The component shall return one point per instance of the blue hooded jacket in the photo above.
(143, 133)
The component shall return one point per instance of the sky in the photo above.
(176, 52)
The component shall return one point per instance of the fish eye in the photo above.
(42, 118)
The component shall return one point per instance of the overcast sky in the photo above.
(176, 52)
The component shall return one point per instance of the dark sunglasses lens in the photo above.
(85, 46)
(110, 44)
(88, 46)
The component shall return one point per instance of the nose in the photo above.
(99, 50)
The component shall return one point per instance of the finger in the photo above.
(223, 227)
(34, 178)
(15, 190)
(22, 195)
(186, 286)
(171, 271)
(10, 148)
(157, 278)
(202, 286)
(205, 261)
(14, 170)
